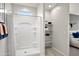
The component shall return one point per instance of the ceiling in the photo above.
(35, 5)
(47, 6)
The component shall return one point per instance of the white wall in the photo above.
(47, 15)
(60, 18)
(40, 12)
(17, 8)
(74, 15)
(74, 19)
(10, 41)
(74, 8)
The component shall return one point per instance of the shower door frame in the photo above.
(42, 43)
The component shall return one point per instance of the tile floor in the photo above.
(74, 51)
(51, 52)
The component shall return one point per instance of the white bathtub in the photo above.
(28, 52)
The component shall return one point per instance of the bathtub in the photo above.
(28, 52)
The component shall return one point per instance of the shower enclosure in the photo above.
(27, 35)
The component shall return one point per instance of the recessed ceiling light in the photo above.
(49, 6)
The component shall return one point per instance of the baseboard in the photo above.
(58, 51)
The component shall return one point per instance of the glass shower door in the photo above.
(27, 33)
